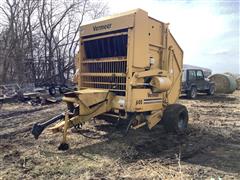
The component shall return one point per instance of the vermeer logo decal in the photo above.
(102, 27)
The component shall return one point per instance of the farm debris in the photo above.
(29, 94)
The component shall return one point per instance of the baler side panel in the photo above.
(155, 29)
(175, 63)
(140, 57)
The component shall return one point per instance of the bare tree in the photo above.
(40, 38)
(18, 38)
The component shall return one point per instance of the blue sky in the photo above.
(207, 30)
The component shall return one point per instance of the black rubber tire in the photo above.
(211, 90)
(192, 94)
(52, 91)
(175, 118)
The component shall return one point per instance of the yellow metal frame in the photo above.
(91, 102)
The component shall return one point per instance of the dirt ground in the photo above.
(209, 150)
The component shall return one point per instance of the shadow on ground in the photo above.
(198, 147)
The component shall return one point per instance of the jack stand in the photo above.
(64, 146)
(129, 124)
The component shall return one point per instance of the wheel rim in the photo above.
(182, 122)
(193, 93)
(212, 90)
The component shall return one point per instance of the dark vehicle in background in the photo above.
(194, 82)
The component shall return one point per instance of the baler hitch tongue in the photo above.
(39, 127)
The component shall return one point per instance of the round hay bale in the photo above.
(231, 74)
(235, 77)
(238, 83)
(224, 83)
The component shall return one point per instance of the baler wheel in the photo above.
(175, 118)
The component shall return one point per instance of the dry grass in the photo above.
(210, 149)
